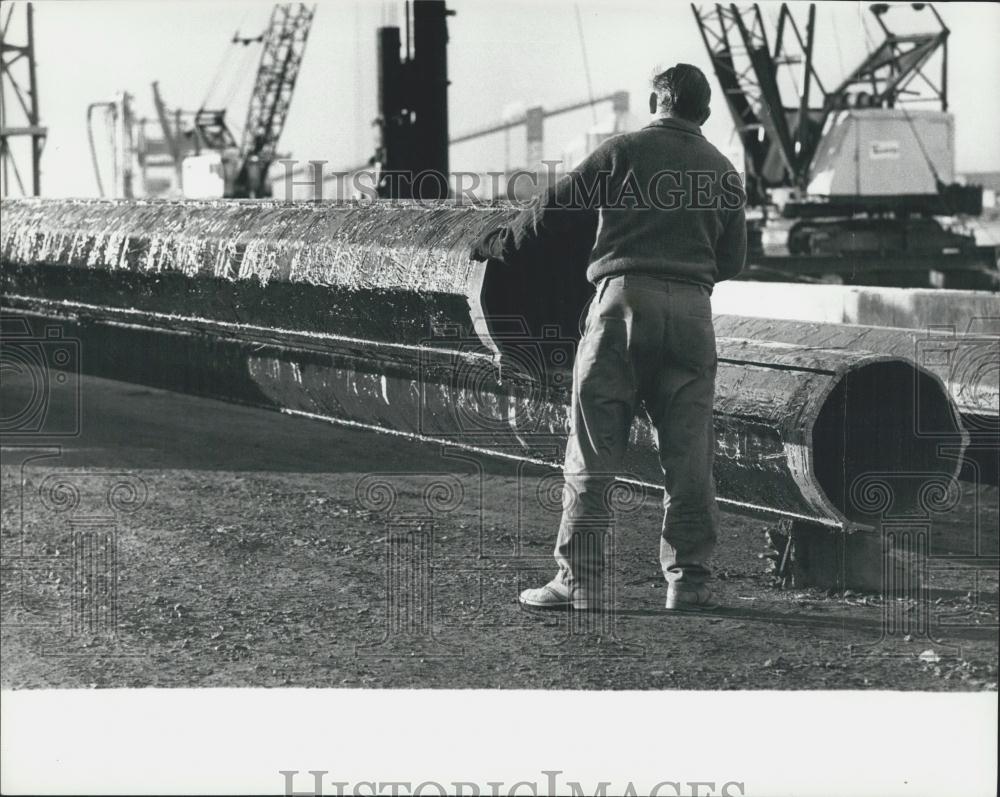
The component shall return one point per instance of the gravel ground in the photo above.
(255, 549)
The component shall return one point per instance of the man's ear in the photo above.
(708, 113)
(653, 101)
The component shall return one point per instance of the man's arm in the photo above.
(731, 251)
(566, 214)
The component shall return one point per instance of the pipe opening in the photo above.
(878, 437)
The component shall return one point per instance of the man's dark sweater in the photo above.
(660, 201)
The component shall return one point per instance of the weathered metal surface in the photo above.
(233, 299)
(969, 365)
(770, 404)
(402, 246)
(373, 271)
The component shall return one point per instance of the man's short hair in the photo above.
(684, 90)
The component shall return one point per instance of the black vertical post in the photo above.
(430, 101)
(36, 138)
(944, 74)
(392, 119)
(413, 107)
(803, 133)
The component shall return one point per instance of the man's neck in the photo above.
(672, 117)
(678, 120)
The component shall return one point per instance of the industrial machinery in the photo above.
(413, 151)
(413, 105)
(128, 156)
(411, 160)
(18, 82)
(118, 121)
(198, 147)
(865, 176)
(245, 165)
(533, 121)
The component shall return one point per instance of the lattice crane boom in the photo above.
(280, 61)
(780, 137)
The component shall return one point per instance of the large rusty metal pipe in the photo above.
(968, 365)
(372, 315)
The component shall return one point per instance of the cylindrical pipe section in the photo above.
(372, 314)
(968, 364)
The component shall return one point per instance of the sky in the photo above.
(503, 54)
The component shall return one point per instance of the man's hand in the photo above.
(486, 248)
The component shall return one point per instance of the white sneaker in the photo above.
(553, 595)
(690, 598)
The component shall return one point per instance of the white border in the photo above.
(235, 741)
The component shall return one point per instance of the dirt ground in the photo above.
(256, 549)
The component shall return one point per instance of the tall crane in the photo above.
(198, 146)
(20, 119)
(247, 164)
(778, 139)
(271, 98)
(866, 168)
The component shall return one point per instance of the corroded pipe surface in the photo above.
(391, 273)
(400, 246)
(968, 364)
(315, 309)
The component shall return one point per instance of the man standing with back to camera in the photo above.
(661, 212)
